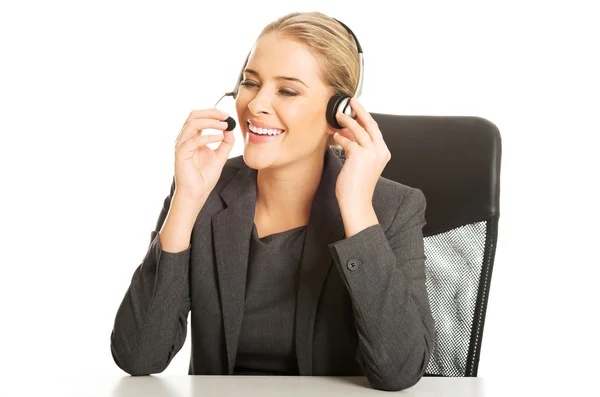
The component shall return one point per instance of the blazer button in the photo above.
(352, 264)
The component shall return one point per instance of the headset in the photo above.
(338, 103)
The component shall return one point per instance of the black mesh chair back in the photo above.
(455, 161)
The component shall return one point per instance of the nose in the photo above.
(261, 103)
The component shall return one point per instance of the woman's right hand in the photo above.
(197, 167)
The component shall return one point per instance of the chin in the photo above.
(257, 158)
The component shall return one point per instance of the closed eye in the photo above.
(251, 84)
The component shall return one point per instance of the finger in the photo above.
(199, 140)
(225, 147)
(365, 119)
(360, 135)
(197, 126)
(346, 134)
(212, 113)
(345, 143)
(208, 113)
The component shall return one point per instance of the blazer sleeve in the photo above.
(151, 322)
(385, 277)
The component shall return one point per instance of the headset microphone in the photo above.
(230, 123)
(338, 103)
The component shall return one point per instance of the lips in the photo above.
(260, 124)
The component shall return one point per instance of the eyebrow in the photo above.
(254, 72)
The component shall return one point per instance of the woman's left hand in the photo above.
(366, 157)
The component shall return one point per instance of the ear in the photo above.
(331, 130)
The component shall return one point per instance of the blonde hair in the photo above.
(330, 43)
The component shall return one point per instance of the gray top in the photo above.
(266, 344)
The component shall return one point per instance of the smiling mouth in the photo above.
(264, 134)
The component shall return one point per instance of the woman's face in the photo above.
(281, 89)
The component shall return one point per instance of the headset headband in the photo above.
(358, 91)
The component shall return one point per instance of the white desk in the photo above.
(241, 386)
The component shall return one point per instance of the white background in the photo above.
(94, 93)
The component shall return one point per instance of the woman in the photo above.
(291, 261)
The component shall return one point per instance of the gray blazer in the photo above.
(362, 306)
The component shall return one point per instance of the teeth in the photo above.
(263, 131)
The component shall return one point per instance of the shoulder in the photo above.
(395, 203)
(235, 163)
(232, 166)
(391, 197)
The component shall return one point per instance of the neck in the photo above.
(286, 194)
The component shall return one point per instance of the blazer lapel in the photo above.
(325, 226)
(232, 230)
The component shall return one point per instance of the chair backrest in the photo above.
(455, 161)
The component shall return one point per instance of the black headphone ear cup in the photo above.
(332, 109)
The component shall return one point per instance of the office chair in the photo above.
(455, 161)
